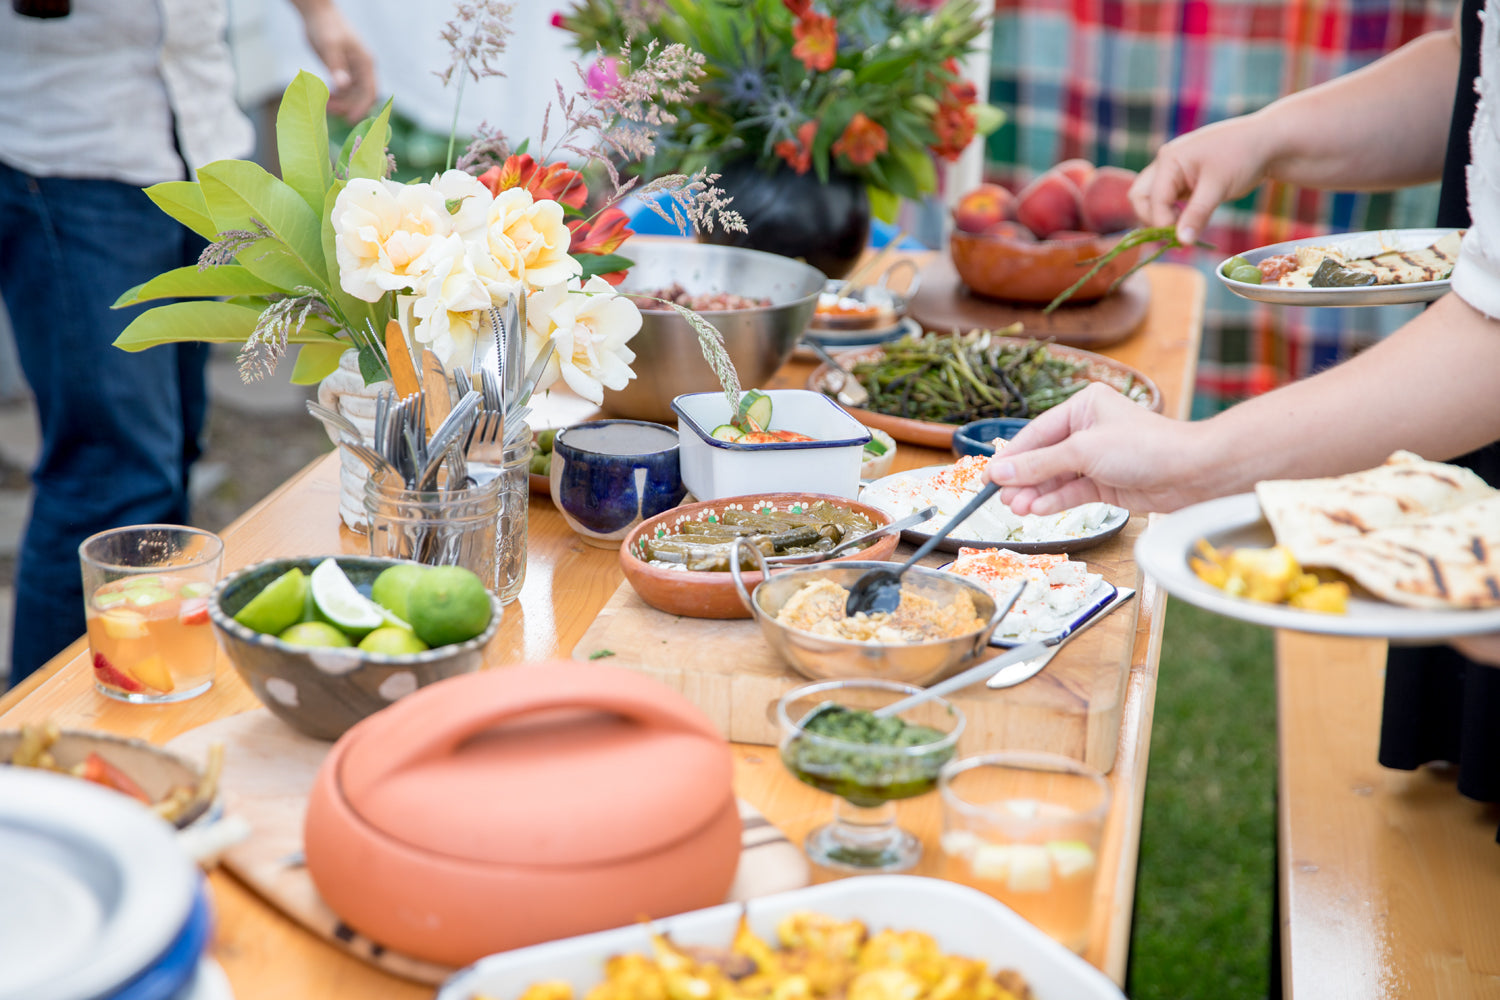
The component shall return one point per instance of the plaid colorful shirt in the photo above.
(1111, 80)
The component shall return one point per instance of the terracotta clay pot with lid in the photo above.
(504, 808)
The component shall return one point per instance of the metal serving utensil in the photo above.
(880, 589)
(847, 391)
(1011, 674)
(909, 521)
(962, 680)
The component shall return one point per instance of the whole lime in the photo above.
(393, 586)
(448, 604)
(392, 641)
(319, 634)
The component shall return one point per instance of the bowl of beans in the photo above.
(759, 302)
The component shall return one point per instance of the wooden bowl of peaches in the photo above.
(1032, 245)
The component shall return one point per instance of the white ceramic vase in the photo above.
(345, 391)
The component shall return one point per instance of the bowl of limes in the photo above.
(326, 641)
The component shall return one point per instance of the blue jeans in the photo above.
(118, 430)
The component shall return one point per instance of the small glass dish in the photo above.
(867, 778)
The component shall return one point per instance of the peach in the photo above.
(1011, 230)
(1049, 204)
(983, 207)
(1080, 172)
(1106, 201)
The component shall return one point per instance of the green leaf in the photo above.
(219, 322)
(917, 165)
(183, 201)
(185, 282)
(602, 264)
(372, 366)
(369, 159)
(302, 138)
(238, 191)
(315, 362)
(883, 203)
(357, 133)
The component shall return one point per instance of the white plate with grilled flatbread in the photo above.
(1419, 541)
(1398, 261)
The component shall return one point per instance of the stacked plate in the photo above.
(100, 901)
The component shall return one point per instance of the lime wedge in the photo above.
(1070, 857)
(341, 604)
(278, 606)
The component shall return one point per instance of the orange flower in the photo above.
(817, 41)
(554, 182)
(798, 152)
(600, 235)
(954, 127)
(862, 141)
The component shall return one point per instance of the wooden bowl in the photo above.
(1003, 268)
(696, 594)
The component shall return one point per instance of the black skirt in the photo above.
(1439, 704)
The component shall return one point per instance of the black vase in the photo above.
(797, 215)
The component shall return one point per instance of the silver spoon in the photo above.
(848, 390)
(880, 589)
(909, 521)
(971, 676)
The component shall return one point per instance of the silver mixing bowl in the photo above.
(668, 360)
(821, 658)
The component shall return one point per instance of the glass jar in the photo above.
(436, 527)
(513, 479)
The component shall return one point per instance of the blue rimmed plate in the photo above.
(1100, 596)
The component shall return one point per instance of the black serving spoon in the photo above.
(880, 589)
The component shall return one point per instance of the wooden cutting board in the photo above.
(727, 669)
(944, 304)
(268, 772)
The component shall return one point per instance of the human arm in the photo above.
(1381, 127)
(1428, 388)
(338, 45)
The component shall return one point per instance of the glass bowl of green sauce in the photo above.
(832, 739)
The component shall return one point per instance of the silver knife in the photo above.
(1015, 673)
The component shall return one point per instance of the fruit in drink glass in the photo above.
(149, 636)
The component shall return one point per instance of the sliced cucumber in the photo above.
(728, 432)
(754, 412)
(875, 446)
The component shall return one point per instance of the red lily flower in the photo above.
(799, 8)
(817, 41)
(953, 124)
(555, 181)
(600, 235)
(862, 141)
(798, 152)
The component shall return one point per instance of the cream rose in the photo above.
(589, 324)
(383, 232)
(451, 303)
(529, 239)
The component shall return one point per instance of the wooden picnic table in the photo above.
(269, 957)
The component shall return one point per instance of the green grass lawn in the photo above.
(1207, 868)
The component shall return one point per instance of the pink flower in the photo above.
(557, 19)
(603, 77)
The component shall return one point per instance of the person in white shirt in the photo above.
(117, 95)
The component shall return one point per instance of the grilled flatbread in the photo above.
(1449, 560)
(1391, 267)
(1308, 514)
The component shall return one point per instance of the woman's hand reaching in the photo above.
(1194, 173)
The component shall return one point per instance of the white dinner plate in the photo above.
(964, 921)
(1363, 244)
(876, 494)
(95, 887)
(1229, 522)
(1097, 599)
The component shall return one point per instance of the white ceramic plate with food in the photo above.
(1351, 245)
(1097, 597)
(964, 922)
(890, 495)
(1231, 522)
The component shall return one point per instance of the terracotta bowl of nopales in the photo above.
(1015, 270)
(711, 594)
(323, 691)
(520, 805)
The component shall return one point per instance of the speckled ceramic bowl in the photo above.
(607, 476)
(697, 594)
(322, 692)
(978, 438)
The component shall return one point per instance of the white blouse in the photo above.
(1476, 276)
(116, 87)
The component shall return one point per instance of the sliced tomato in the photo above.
(102, 772)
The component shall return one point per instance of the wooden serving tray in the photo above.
(726, 668)
(944, 304)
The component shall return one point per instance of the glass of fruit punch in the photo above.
(146, 590)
